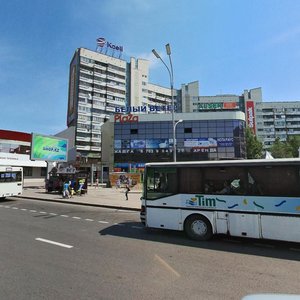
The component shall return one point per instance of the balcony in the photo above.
(267, 113)
(85, 88)
(99, 67)
(109, 108)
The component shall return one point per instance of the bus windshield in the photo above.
(161, 182)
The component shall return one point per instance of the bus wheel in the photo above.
(198, 228)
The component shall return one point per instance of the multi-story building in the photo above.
(129, 143)
(277, 120)
(101, 85)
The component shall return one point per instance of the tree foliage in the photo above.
(286, 149)
(254, 148)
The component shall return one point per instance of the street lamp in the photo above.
(170, 71)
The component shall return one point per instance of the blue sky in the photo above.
(227, 45)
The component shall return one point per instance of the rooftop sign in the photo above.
(103, 43)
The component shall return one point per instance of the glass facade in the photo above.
(196, 140)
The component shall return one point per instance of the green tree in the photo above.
(294, 143)
(254, 147)
(281, 149)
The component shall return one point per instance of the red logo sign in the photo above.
(126, 118)
(250, 114)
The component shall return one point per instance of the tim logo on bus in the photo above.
(202, 201)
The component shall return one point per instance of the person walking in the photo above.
(66, 192)
(127, 190)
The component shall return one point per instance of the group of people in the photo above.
(69, 188)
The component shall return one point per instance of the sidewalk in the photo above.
(101, 197)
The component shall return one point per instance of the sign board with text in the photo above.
(49, 148)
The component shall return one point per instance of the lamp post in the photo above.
(170, 71)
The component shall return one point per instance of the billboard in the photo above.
(48, 148)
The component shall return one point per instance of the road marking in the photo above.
(118, 224)
(264, 245)
(137, 227)
(166, 265)
(15, 208)
(77, 218)
(90, 220)
(54, 243)
(295, 249)
(24, 209)
(52, 214)
(65, 216)
(43, 212)
(6, 206)
(32, 210)
(103, 222)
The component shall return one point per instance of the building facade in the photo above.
(277, 120)
(131, 141)
(15, 150)
(101, 85)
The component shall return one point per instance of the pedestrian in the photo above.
(118, 183)
(66, 193)
(97, 183)
(127, 190)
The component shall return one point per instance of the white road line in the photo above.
(166, 265)
(295, 249)
(6, 206)
(32, 210)
(54, 243)
(137, 227)
(65, 216)
(90, 220)
(118, 224)
(264, 245)
(24, 209)
(52, 214)
(77, 218)
(43, 212)
(103, 222)
(15, 208)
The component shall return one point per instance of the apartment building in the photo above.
(101, 85)
(277, 120)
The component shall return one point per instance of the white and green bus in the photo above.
(11, 181)
(247, 198)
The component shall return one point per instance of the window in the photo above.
(188, 130)
(133, 131)
(27, 171)
(43, 172)
(161, 182)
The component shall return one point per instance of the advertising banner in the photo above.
(250, 115)
(49, 148)
(200, 143)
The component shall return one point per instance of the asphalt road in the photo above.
(61, 251)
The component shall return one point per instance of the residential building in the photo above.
(277, 120)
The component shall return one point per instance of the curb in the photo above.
(80, 203)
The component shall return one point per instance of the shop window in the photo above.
(134, 131)
(27, 171)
